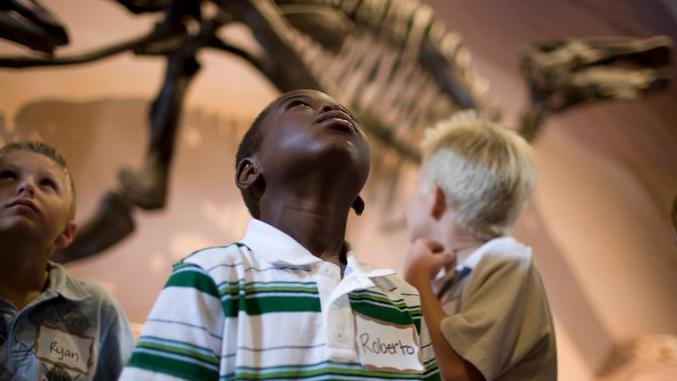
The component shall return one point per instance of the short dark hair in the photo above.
(50, 153)
(249, 145)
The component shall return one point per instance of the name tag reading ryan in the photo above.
(387, 347)
(64, 349)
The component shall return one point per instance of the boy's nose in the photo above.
(26, 187)
(329, 107)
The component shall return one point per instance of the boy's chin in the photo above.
(413, 236)
(340, 153)
(20, 228)
(342, 146)
(336, 162)
(413, 230)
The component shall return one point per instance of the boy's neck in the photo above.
(458, 241)
(23, 273)
(319, 226)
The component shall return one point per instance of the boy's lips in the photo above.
(337, 118)
(24, 203)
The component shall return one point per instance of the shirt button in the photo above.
(341, 302)
(339, 336)
(327, 272)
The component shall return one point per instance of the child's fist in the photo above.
(425, 259)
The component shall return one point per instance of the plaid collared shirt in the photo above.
(73, 330)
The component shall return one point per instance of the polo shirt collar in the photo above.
(276, 247)
(62, 284)
(363, 269)
(500, 243)
(279, 249)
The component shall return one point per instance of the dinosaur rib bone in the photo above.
(383, 67)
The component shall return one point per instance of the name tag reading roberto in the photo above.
(64, 349)
(387, 347)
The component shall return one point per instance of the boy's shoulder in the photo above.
(82, 291)
(401, 285)
(504, 257)
(226, 263)
(506, 253)
(210, 257)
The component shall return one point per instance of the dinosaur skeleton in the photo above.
(31, 25)
(388, 60)
(567, 73)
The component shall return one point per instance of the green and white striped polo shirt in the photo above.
(265, 308)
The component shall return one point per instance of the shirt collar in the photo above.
(279, 249)
(363, 269)
(500, 243)
(275, 246)
(63, 285)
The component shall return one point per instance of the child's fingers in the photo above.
(449, 259)
(433, 246)
(444, 258)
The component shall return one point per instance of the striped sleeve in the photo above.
(182, 336)
(428, 354)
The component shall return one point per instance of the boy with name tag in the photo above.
(481, 294)
(289, 300)
(52, 327)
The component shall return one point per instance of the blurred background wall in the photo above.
(599, 220)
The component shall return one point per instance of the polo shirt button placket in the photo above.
(339, 336)
(327, 271)
(341, 302)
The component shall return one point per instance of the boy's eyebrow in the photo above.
(60, 177)
(9, 165)
(49, 173)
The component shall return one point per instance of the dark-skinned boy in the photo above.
(289, 300)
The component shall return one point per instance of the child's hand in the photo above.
(424, 261)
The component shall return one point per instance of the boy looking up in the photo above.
(481, 294)
(289, 300)
(52, 326)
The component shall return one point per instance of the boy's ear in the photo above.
(67, 236)
(246, 174)
(358, 205)
(439, 203)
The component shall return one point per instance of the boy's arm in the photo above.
(424, 260)
(116, 341)
(182, 337)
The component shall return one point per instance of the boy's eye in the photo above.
(7, 174)
(47, 182)
(297, 103)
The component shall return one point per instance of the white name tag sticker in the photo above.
(64, 349)
(387, 347)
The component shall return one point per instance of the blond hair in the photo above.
(485, 169)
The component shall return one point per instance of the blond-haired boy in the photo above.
(52, 326)
(482, 297)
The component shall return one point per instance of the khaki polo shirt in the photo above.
(499, 319)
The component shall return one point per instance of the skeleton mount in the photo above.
(388, 60)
